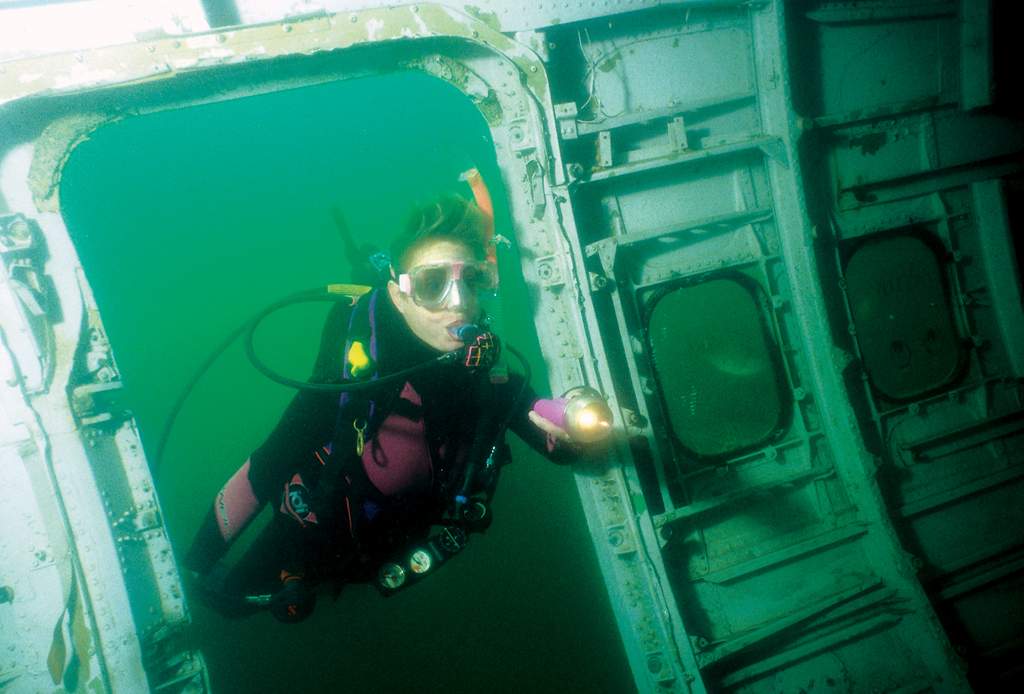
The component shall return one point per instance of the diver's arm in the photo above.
(542, 423)
(553, 446)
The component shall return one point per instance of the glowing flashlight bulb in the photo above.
(587, 417)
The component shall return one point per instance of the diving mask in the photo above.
(430, 286)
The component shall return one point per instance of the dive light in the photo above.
(582, 412)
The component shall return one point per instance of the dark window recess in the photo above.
(902, 315)
(1007, 80)
(716, 365)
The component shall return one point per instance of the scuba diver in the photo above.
(384, 483)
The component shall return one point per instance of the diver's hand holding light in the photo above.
(581, 416)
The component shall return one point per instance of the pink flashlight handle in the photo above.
(552, 409)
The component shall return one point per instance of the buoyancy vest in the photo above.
(334, 496)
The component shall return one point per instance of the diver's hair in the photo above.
(450, 217)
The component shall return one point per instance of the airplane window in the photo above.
(901, 312)
(716, 364)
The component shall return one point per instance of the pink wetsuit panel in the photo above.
(397, 459)
(236, 504)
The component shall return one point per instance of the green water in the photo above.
(188, 222)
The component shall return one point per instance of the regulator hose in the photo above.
(331, 292)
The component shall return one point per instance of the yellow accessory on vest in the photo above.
(358, 359)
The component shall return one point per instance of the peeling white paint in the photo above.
(512, 49)
(14, 169)
(216, 54)
(421, 25)
(67, 26)
(373, 26)
(85, 77)
(206, 41)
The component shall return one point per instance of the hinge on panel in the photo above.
(677, 140)
(95, 393)
(22, 255)
(98, 403)
(605, 155)
(521, 136)
(99, 397)
(16, 235)
(550, 270)
(598, 282)
(565, 116)
(535, 187)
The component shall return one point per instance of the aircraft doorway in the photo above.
(187, 222)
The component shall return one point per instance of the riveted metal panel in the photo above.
(500, 14)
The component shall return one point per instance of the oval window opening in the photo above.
(902, 316)
(716, 365)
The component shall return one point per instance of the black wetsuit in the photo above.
(343, 523)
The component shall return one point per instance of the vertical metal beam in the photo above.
(975, 54)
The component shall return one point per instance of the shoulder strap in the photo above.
(360, 356)
(343, 473)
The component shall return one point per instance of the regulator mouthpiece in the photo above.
(466, 332)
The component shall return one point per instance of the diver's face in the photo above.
(459, 306)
